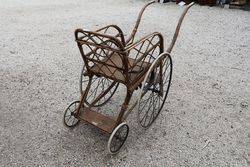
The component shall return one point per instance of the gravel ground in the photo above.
(206, 121)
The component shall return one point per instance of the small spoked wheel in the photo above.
(69, 118)
(99, 86)
(118, 138)
(154, 90)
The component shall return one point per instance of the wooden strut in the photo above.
(111, 57)
(83, 97)
(124, 107)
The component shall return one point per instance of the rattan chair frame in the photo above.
(109, 55)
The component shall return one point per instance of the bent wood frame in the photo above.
(123, 61)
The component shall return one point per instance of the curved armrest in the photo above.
(96, 39)
(145, 50)
(142, 40)
(115, 27)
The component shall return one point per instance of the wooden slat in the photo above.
(101, 121)
(111, 72)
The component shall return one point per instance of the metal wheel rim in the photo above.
(69, 115)
(168, 82)
(112, 136)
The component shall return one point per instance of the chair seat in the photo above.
(113, 69)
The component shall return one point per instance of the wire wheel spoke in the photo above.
(98, 88)
(154, 91)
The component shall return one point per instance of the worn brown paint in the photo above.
(123, 61)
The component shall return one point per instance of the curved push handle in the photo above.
(132, 36)
(177, 30)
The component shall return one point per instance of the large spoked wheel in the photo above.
(99, 86)
(118, 138)
(69, 118)
(154, 90)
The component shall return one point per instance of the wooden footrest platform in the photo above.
(101, 121)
